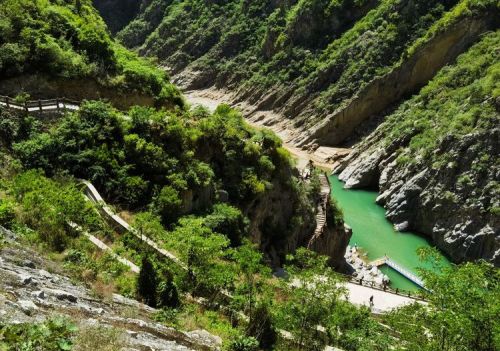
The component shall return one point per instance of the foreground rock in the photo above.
(30, 295)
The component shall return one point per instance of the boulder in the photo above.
(27, 306)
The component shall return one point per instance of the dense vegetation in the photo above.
(39, 209)
(200, 184)
(438, 112)
(171, 164)
(68, 40)
(319, 53)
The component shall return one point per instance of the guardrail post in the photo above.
(7, 101)
(26, 106)
(57, 103)
(40, 105)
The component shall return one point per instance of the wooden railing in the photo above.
(41, 106)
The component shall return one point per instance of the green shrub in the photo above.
(244, 343)
(168, 204)
(228, 220)
(73, 42)
(48, 206)
(168, 296)
(7, 213)
(55, 334)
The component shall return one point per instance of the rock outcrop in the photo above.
(279, 213)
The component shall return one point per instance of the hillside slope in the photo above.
(325, 66)
(331, 71)
(51, 49)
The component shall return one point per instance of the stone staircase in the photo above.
(322, 205)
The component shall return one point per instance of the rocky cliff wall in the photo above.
(435, 159)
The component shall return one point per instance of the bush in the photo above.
(55, 334)
(229, 221)
(168, 296)
(48, 206)
(168, 204)
(261, 327)
(102, 338)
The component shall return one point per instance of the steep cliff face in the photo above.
(435, 159)
(280, 211)
(410, 75)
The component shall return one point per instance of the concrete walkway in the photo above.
(382, 301)
(101, 245)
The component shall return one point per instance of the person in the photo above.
(371, 301)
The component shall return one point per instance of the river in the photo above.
(376, 236)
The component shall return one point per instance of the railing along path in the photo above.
(40, 106)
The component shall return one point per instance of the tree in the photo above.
(167, 292)
(251, 295)
(311, 294)
(149, 225)
(147, 282)
(461, 314)
(203, 251)
(261, 326)
(254, 273)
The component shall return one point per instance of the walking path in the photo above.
(134, 268)
(92, 193)
(382, 301)
(321, 211)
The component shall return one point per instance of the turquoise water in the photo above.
(376, 235)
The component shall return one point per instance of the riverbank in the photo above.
(377, 236)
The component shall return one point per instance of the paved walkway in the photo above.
(382, 301)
